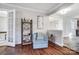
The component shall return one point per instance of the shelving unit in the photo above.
(26, 29)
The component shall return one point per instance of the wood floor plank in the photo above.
(52, 49)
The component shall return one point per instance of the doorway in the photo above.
(3, 27)
(7, 27)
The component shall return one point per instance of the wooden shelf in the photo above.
(27, 43)
(3, 32)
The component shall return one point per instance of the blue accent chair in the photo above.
(40, 40)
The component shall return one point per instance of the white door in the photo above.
(11, 28)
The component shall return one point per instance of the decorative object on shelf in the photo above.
(51, 37)
(40, 22)
(77, 23)
(26, 27)
(77, 32)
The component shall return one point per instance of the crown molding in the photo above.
(48, 12)
(20, 7)
(58, 7)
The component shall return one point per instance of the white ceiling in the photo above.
(47, 8)
(37, 6)
(73, 13)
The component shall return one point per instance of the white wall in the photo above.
(47, 26)
(55, 26)
(55, 22)
(3, 27)
(28, 14)
(3, 21)
(70, 26)
(3, 24)
(67, 25)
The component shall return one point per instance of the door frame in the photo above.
(10, 43)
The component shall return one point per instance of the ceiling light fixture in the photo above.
(64, 11)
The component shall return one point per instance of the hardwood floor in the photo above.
(27, 50)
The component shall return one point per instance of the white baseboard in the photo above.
(18, 43)
(59, 44)
(11, 45)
